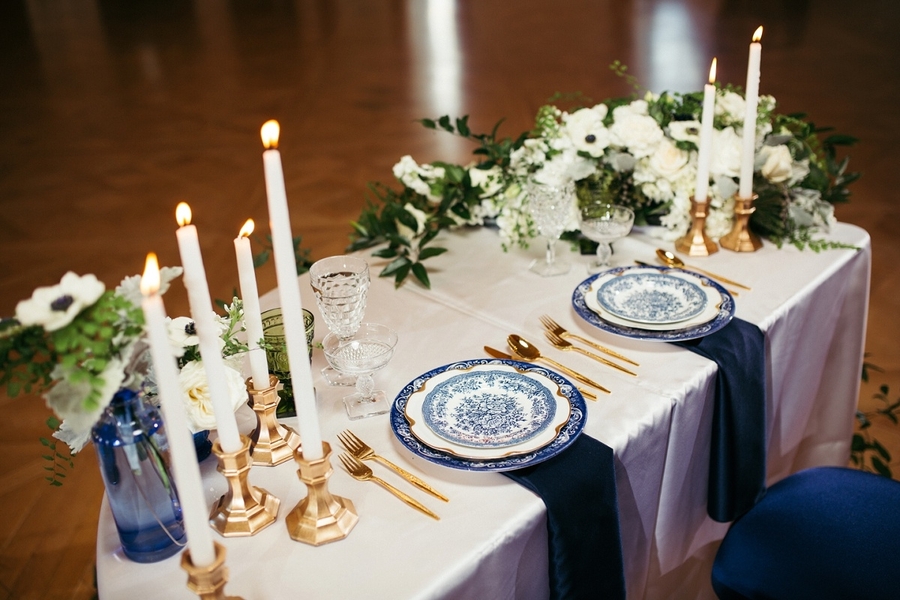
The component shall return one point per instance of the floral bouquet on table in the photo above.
(78, 344)
(636, 152)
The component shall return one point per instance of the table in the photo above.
(491, 541)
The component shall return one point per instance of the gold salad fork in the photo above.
(360, 450)
(361, 472)
(556, 328)
(562, 344)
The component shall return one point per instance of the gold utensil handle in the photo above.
(411, 478)
(603, 360)
(587, 394)
(603, 349)
(576, 375)
(719, 277)
(732, 292)
(406, 498)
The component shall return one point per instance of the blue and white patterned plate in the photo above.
(716, 315)
(655, 298)
(568, 431)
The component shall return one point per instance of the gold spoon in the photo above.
(527, 352)
(497, 354)
(673, 261)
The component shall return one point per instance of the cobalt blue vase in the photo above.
(133, 455)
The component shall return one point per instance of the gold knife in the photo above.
(497, 354)
(643, 264)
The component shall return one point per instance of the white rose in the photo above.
(685, 131)
(637, 107)
(195, 394)
(489, 180)
(731, 106)
(669, 160)
(586, 130)
(564, 167)
(56, 306)
(726, 153)
(778, 163)
(640, 134)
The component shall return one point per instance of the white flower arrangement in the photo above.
(638, 152)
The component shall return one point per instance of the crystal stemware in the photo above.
(360, 355)
(340, 284)
(604, 224)
(550, 209)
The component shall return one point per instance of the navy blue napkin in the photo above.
(578, 486)
(737, 461)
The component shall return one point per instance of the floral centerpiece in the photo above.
(640, 152)
(77, 344)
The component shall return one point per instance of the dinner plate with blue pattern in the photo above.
(465, 382)
(718, 312)
(654, 298)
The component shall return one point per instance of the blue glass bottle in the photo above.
(133, 455)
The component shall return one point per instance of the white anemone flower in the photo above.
(56, 306)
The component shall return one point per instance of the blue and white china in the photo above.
(718, 312)
(656, 298)
(568, 400)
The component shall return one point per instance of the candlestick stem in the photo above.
(208, 582)
(244, 509)
(740, 238)
(696, 242)
(271, 443)
(320, 517)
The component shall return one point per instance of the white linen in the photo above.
(491, 540)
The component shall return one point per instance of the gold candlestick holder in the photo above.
(208, 582)
(271, 443)
(740, 238)
(320, 517)
(244, 509)
(696, 242)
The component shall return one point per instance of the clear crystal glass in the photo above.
(550, 208)
(360, 355)
(604, 224)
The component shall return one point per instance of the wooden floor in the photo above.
(112, 112)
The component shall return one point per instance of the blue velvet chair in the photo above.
(822, 533)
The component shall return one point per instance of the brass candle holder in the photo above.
(208, 582)
(320, 517)
(696, 242)
(271, 443)
(244, 509)
(740, 238)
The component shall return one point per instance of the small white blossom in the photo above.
(55, 306)
(489, 180)
(420, 217)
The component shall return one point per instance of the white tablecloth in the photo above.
(491, 539)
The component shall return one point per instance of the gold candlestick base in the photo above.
(244, 509)
(696, 242)
(320, 517)
(740, 238)
(271, 443)
(208, 582)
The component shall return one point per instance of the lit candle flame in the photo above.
(247, 229)
(150, 279)
(269, 133)
(757, 35)
(712, 71)
(183, 214)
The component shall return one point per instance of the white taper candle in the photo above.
(704, 153)
(745, 189)
(259, 369)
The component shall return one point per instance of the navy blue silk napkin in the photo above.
(737, 461)
(578, 486)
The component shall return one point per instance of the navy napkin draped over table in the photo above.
(578, 487)
(737, 461)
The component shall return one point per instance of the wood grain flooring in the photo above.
(112, 112)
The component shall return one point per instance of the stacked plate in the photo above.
(488, 415)
(654, 303)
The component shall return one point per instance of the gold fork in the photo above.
(360, 450)
(562, 344)
(361, 472)
(556, 328)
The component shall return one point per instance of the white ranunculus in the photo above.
(726, 153)
(685, 131)
(420, 218)
(130, 287)
(777, 165)
(730, 106)
(195, 394)
(669, 160)
(637, 107)
(54, 307)
(640, 134)
(489, 180)
(586, 130)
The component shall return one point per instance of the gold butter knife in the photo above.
(497, 354)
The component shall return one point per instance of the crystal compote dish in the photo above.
(360, 355)
(604, 224)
